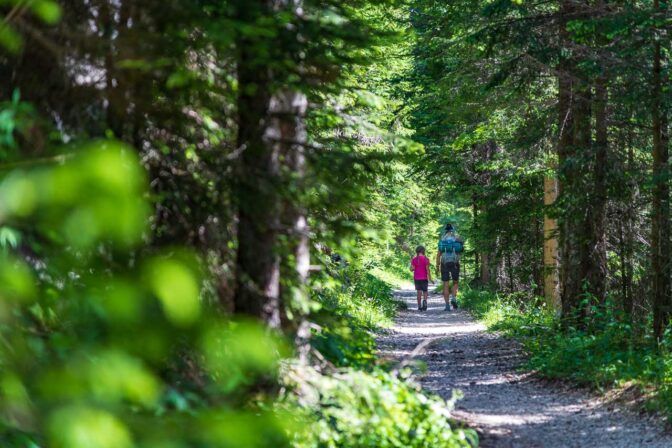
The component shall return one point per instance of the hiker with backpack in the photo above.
(448, 264)
(422, 275)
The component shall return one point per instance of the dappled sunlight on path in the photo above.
(507, 407)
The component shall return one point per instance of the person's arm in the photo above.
(438, 260)
(429, 271)
(412, 268)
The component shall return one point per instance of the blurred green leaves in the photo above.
(237, 353)
(99, 194)
(176, 288)
(85, 427)
(106, 377)
(100, 339)
(16, 280)
(48, 11)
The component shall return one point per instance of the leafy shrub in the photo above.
(353, 408)
(514, 314)
(350, 311)
(607, 351)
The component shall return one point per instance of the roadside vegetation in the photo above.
(606, 353)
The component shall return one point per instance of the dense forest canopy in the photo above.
(204, 205)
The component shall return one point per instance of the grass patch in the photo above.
(608, 352)
(394, 279)
(351, 310)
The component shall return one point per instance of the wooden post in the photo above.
(551, 279)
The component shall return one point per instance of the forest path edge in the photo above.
(508, 408)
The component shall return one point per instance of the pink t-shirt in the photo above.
(420, 264)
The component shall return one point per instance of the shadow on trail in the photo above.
(507, 407)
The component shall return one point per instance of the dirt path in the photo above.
(508, 408)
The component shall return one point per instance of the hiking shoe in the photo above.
(454, 303)
(419, 308)
(447, 308)
(424, 305)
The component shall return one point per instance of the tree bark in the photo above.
(258, 179)
(570, 287)
(581, 211)
(623, 261)
(551, 279)
(597, 245)
(633, 194)
(295, 264)
(660, 223)
(474, 208)
(485, 269)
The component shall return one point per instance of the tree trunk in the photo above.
(583, 261)
(570, 287)
(485, 269)
(623, 261)
(538, 265)
(660, 222)
(582, 202)
(510, 273)
(258, 179)
(551, 279)
(597, 245)
(633, 194)
(291, 111)
(474, 208)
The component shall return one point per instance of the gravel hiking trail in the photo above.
(507, 407)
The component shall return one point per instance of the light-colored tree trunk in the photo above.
(551, 278)
(289, 108)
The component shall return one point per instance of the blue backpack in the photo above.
(450, 247)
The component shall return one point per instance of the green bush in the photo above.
(353, 408)
(350, 311)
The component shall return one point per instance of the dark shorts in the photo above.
(421, 285)
(450, 271)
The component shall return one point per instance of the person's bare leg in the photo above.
(419, 297)
(446, 292)
(455, 289)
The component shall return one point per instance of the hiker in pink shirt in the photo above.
(422, 275)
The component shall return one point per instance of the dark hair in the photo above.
(449, 227)
(420, 250)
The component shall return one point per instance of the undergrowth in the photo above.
(606, 352)
(351, 310)
(353, 408)
(357, 402)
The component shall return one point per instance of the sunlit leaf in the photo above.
(47, 10)
(10, 40)
(176, 287)
(16, 280)
(86, 427)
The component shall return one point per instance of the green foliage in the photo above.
(607, 352)
(98, 354)
(350, 312)
(356, 409)
(48, 11)
(515, 314)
